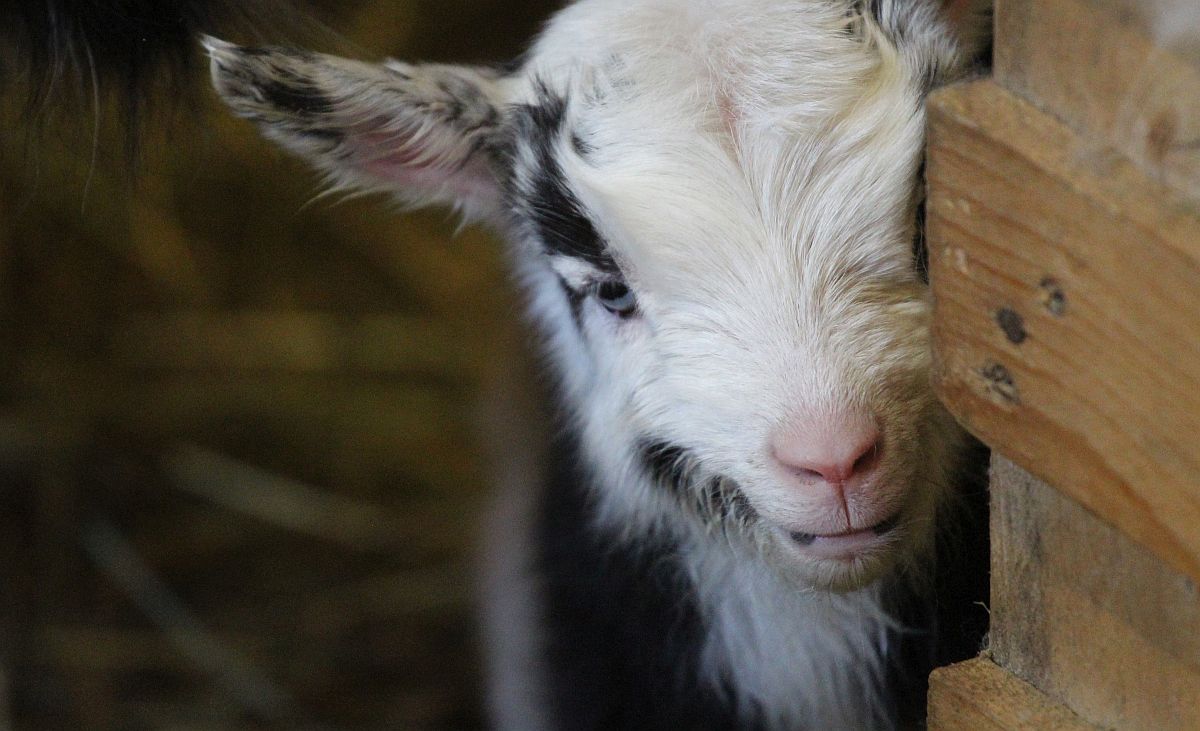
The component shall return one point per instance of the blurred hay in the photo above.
(239, 679)
(288, 504)
(238, 483)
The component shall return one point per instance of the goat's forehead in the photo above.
(714, 59)
(715, 136)
(679, 200)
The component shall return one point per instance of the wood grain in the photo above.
(1093, 64)
(1087, 615)
(1067, 288)
(976, 695)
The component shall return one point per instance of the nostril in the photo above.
(866, 459)
(836, 451)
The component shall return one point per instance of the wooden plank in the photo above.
(1087, 615)
(1067, 313)
(976, 695)
(1095, 65)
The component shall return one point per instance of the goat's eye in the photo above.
(617, 298)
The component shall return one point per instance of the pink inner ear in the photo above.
(472, 182)
(423, 171)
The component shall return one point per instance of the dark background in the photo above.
(239, 482)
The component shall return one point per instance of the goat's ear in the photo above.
(429, 133)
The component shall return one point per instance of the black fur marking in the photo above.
(582, 147)
(455, 92)
(255, 51)
(715, 500)
(666, 463)
(555, 212)
(465, 107)
(330, 136)
(296, 96)
(739, 506)
(575, 300)
(623, 632)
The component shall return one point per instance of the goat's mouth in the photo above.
(883, 526)
(847, 544)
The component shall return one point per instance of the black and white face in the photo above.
(713, 207)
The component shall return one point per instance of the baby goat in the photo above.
(713, 206)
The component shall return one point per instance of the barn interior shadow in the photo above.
(239, 483)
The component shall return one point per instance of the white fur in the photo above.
(769, 249)
(753, 171)
(796, 657)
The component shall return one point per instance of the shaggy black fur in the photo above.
(66, 51)
(622, 627)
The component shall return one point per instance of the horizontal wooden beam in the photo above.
(1067, 312)
(976, 695)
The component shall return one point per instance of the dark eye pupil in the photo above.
(616, 298)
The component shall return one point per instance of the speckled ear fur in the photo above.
(426, 133)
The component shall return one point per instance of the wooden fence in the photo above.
(1064, 235)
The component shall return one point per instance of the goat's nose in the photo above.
(833, 449)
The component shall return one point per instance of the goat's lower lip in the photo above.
(843, 545)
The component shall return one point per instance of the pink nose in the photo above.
(833, 449)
